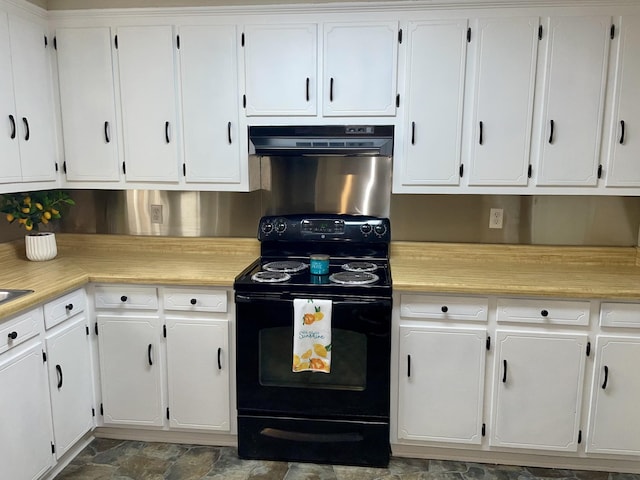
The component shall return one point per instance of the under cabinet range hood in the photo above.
(321, 140)
(324, 169)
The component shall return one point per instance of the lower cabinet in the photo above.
(614, 420)
(130, 369)
(164, 357)
(198, 373)
(25, 414)
(538, 385)
(71, 383)
(441, 384)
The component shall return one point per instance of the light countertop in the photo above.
(572, 272)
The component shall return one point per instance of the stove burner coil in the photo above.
(270, 277)
(360, 267)
(289, 266)
(354, 278)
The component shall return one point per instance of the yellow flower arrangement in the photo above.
(35, 208)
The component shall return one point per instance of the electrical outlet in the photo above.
(156, 213)
(495, 218)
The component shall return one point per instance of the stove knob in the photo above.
(380, 229)
(366, 229)
(267, 227)
(281, 226)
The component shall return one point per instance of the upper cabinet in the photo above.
(10, 159)
(435, 73)
(148, 94)
(27, 143)
(484, 100)
(210, 104)
(358, 69)
(575, 72)
(623, 154)
(88, 106)
(281, 69)
(504, 72)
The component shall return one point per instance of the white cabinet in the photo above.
(575, 71)
(137, 364)
(538, 384)
(613, 419)
(28, 144)
(26, 437)
(198, 358)
(281, 69)
(148, 95)
(70, 382)
(198, 373)
(623, 167)
(358, 64)
(88, 104)
(504, 71)
(10, 151)
(436, 60)
(359, 69)
(131, 368)
(209, 79)
(441, 386)
(128, 329)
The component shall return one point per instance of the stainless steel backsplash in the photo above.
(551, 220)
(555, 220)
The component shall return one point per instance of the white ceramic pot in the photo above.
(41, 246)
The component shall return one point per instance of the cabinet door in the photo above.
(441, 384)
(574, 83)
(613, 424)
(25, 436)
(198, 373)
(71, 383)
(504, 79)
(148, 93)
(538, 382)
(34, 101)
(208, 62)
(10, 153)
(131, 370)
(624, 132)
(360, 65)
(435, 92)
(87, 103)
(281, 69)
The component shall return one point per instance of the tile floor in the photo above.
(126, 460)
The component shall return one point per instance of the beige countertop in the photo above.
(575, 272)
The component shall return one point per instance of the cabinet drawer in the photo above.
(473, 309)
(126, 297)
(552, 312)
(195, 300)
(20, 329)
(67, 306)
(620, 315)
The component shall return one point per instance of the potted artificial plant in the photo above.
(35, 212)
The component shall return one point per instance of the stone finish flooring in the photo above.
(126, 460)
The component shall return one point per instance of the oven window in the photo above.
(348, 361)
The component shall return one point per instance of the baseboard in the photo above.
(195, 438)
(517, 458)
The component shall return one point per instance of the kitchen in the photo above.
(544, 210)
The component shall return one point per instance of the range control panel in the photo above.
(324, 227)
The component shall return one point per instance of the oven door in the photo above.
(359, 381)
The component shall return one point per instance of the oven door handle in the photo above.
(289, 297)
(350, 437)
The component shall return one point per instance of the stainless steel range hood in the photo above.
(325, 169)
(321, 140)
